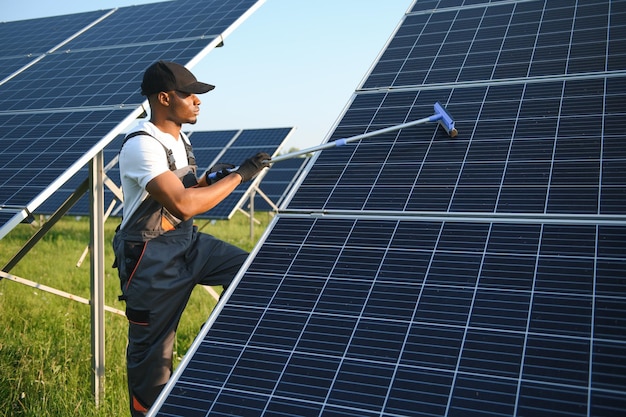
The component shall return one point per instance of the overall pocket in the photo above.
(128, 255)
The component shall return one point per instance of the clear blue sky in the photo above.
(292, 63)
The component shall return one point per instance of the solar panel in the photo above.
(398, 317)
(413, 274)
(60, 111)
(524, 150)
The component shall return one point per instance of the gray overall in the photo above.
(160, 259)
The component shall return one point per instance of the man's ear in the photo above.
(163, 98)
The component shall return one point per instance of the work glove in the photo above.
(217, 172)
(251, 166)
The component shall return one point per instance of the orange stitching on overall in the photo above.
(130, 278)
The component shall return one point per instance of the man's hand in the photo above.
(252, 166)
(217, 172)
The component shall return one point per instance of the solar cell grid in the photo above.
(212, 139)
(163, 22)
(82, 206)
(108, 77)
(252, 138)
(546, 140)
(208, 146)
(459, 335)
(7, 214)
(67, 137)
(34, 37)
(10, 65)
(429, 5)
(502, 41)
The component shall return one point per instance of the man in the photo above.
(160, 255)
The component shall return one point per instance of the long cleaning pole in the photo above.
(441, 116)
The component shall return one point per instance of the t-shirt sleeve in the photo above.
(144, 158)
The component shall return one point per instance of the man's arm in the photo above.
(185, 203)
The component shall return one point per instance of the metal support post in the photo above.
(252, 195)
(96, 186)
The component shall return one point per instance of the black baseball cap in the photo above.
(168, 76)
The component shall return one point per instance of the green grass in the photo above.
(45, 339)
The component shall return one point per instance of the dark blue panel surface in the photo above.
(82, 207)
(98, 77)
(8, 66)
(393, 328)
(208, 145)
(33, 37)
(38, 148)
(163, 22)
(524, 149)
(502, 41)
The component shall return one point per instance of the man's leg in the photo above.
(149, 365)
(156, 292)
(214, 262)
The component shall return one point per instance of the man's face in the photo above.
(184, 107)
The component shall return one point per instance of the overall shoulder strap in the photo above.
(191, 159)
(171, 162)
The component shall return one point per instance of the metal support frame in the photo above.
(56, 216)
(251, 208)
(211, 291)
(254, 190)
(96, 186)
(60, 293)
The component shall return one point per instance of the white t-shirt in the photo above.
(143, 158)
